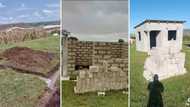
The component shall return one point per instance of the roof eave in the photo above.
(159, 21)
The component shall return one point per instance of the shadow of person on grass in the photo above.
(155, 93)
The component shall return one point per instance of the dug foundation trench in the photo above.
(50, 98)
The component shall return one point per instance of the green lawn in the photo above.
(19, 90)
(112, 98)
(177, 89)
(50, 44)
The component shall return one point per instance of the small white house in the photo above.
(158, 33)
(162, 39)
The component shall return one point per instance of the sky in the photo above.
(159, 9)
(12, 11)
(96, 20)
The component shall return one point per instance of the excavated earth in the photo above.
(36, 62)
(31, 61)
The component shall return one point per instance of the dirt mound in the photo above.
(26, 59)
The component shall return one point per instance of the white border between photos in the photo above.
(60, 49)
(129, 58)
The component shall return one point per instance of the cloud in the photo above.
(23, 7)
(25, 11)
(2, 5)
(37, 14)
(101, 37)
(50, 13)
(53, 5)
(46, 11)
(23, 16)
(3, 18)
(96, 17)
(10, 18)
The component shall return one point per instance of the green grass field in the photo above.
(177, 89)
(50, 44)
(112, 98)
(20, 89)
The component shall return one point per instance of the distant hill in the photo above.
(27, 25)
(186, 32)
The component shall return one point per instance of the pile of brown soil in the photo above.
(32, 61)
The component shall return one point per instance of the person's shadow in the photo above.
(155, 93)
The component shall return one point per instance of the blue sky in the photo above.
(159, 9)
(12, 11)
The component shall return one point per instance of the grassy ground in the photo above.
(19, 90)
(177, 89)
(24, 90)
(112, 99)
(50, 44)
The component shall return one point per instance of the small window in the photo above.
(139, 33)
(171, 35)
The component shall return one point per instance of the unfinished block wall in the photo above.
(79, 54)
(87, 53)
(108, 75)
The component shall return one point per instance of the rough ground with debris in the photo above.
(21, 87)
(30, 61)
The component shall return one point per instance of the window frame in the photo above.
(172, 37)
(139, 35)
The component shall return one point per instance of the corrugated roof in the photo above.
(159, 21)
